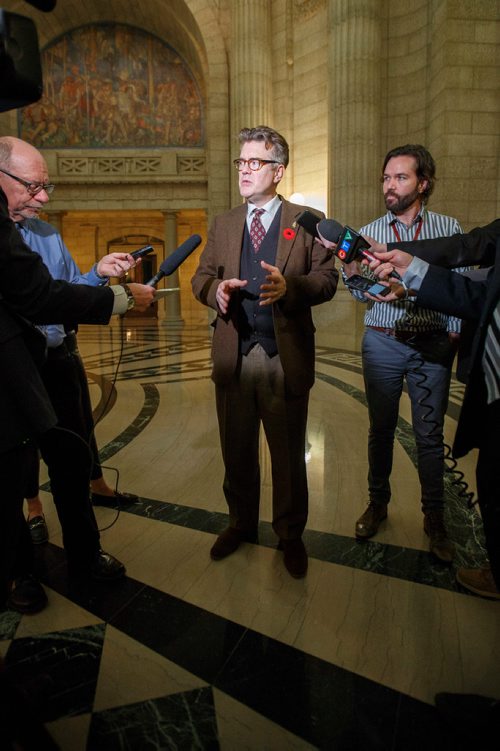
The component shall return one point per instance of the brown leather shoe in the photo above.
(439, 543)
(295, 557)
(480, 581)
(229, 541)
(27, 596)
(368, 524)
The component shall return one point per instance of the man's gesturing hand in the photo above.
(225, 290)
(275, 288)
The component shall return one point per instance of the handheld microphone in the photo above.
(174, 260)
(350, 244)
(45, 5)
(142, 252)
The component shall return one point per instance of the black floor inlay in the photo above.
(328, 706)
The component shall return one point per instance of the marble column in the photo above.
(355, 71)
(251, 70)
(172, 302)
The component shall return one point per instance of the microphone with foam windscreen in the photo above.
(350, 244)
(45, 5)
(174, 260)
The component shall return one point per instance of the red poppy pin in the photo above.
(289, 233)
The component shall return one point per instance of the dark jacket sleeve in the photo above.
(27, 287)
(452, 293)
(476, 247)
(25, 408)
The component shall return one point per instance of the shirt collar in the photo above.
(392, 218)
(271, 206)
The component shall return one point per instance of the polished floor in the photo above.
(187, 653)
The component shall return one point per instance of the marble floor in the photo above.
(187, 653)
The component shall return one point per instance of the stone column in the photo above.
(251, 90)
(172, 302)
(355, 69)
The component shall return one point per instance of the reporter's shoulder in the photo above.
(374, 228)
(445, 225)
(39, 227)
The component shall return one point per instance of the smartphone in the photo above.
(363, 284)
(309, 221)
(142, 252)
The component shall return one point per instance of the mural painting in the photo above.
(111, 85)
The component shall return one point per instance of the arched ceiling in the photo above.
(171, 20)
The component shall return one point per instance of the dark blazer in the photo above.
(311, 279)
(471, 300)
(476, 247)
(27, 288)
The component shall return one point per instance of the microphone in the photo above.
(45, 5)
(350, 244)
(174, 260)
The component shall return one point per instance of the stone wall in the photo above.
(349, 80)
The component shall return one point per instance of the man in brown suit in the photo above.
(261, 275)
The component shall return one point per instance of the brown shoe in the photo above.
(229, 541)
(368, 524)
(480, 581)
(439, 543)
(295, 557)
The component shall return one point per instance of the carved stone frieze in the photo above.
(131, 166)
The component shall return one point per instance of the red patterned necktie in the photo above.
(257, 231)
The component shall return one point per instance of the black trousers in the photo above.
(69, 456)
(488, 484)
(16, 549)
(55, 373)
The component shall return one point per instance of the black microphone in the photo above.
(350, 244)
(45, 5)
(174, 260)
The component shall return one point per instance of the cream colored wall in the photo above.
(464, 108)
(300, 93)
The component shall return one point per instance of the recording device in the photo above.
(350, 244)
(363, 284)
(20, 67)
(142, 252)
(309, 221)
(172, 263)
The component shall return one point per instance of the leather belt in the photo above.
(404, 336)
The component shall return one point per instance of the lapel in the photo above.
(289, 213)
(235, 227)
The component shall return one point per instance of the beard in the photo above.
(398, 204)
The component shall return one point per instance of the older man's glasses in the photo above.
(32, 188)
(253, 164)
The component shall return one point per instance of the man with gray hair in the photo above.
(261, 275)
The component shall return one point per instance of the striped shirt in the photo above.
(491, 356)
(405, 314)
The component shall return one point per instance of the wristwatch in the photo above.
(130, 297)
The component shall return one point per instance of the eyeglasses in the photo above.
(253, 164)
(32, 188)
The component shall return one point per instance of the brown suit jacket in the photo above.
(311, 279)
